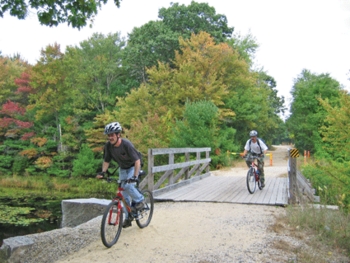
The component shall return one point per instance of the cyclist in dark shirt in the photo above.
(124, 153)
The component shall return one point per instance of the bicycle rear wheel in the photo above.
(112, 223)
(251, 183)
(144, 215)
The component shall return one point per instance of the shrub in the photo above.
(85, 164)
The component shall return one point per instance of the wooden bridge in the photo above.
(190, 179)
(230, 189)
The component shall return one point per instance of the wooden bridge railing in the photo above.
(300, 189)
(186, 170)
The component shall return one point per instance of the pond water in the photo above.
(50, 213)
(7, 231)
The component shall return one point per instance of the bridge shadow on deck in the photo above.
(229, 189)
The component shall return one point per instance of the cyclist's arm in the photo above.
(137, 167)
(105, 166)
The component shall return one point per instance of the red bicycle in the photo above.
(253, 175)
(112, 219)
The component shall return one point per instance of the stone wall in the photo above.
(79, 220)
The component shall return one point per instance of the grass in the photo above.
(323, 235)
(53, 187)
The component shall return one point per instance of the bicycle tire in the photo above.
(144, 216)
(111, 224)
(251, 182)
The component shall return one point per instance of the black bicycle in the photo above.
(112, 220)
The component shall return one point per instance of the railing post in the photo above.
(198, 158)
(171, 176)
(150, 182)
(187, 158)
(208, 167)
(292, 174)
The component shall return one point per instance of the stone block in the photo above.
(79, 211)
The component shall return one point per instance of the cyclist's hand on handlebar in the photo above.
(100, 175)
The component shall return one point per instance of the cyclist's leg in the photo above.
(131, 191)
(248, 160)
(124, 175)
(261, 170)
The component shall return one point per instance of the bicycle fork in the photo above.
(114, 216)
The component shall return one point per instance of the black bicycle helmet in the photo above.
(113, 127)
(253, 133)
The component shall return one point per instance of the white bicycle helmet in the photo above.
(253, 133)
(113, 127)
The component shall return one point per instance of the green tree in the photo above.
(199, 127)
(10, 70)
(53, 13)
(85, 165)
(157, 41)
(94, 73)
(335, 129)
(195, 18)
(151, 43)
(245, 45)
(307, 114)
(51, 96)
(200, 72)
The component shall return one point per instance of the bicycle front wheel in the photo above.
(144, 215)
(251, 183)
(112, 223)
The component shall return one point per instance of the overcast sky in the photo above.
(292, 34)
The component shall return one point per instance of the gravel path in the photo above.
(203, 233)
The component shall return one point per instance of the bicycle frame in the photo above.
(254, 165)
(253, 177)
(119, 196)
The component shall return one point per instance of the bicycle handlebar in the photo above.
(254, 156)
(130, 180)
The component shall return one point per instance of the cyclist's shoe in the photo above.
(139, 205)
(262, 185)
(126, 223)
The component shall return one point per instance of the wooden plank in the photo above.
(281, 196)
(163, 168)
(273, 193)
(240, 187)
(225, 187)
(242, 194)
(158, 151)
(229, 189)
(187, 192)
(180, 191)
(271, 184)
(259, 195)
(201, 194)
(196, 188)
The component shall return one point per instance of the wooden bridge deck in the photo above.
(230, 189)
